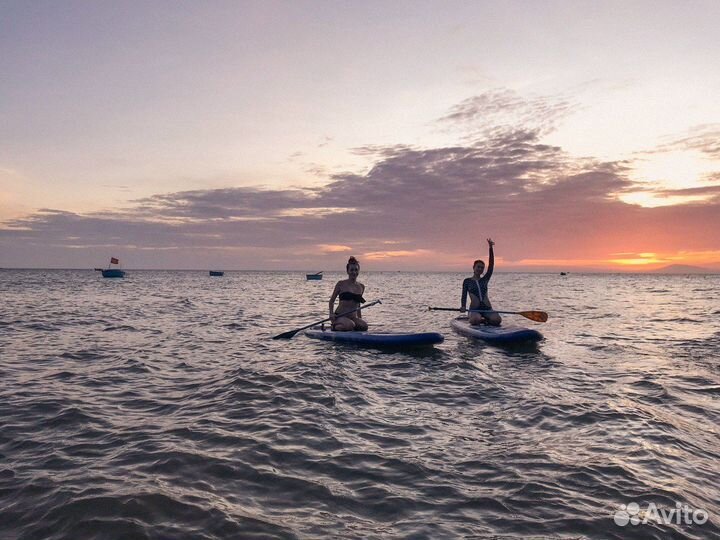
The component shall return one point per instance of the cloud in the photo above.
(500, 109)
(704, 138)
(225, 203)
(705, 190)
(333, 248)
(435, 206)
(380, 255)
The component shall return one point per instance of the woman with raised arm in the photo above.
(349, 291)
(477, 287)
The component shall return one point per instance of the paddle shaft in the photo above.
(538, 316)
(291, 333)
(492, 311)
(475, 310)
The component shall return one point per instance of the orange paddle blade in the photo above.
(537, 316)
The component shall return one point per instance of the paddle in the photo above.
(537, 316)
(291, 333)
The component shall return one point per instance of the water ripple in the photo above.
(157, 407)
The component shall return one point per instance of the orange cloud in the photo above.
(333, 248)
(379, 255)
(641, 259)
(574, 263)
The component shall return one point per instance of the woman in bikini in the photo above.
(350, 292)
(477, 287)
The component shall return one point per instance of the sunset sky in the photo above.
(579, 135)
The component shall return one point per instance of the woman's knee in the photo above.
(494, 319)
(361, 325)
(475, 319)
(344, 324)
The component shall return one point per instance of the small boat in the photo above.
(113, 273)
(314, 277)
(377, 339)
(495, 334)
(216, 273)
(563, 273)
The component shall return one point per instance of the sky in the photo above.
(578, 135)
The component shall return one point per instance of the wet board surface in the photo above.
(378, 339)
(495, 334)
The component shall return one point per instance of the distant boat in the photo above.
(563, 273)
(314, 277)
(216, 273)
(113, 273)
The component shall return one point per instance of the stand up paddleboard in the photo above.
(506, 334)
(377, 339)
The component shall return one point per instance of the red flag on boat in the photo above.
(113, 260)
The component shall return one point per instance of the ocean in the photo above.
(158, 406)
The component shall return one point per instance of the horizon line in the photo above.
(702, 271)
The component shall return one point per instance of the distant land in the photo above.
(683, 269)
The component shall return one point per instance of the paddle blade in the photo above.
(537, 316)
(286, 335)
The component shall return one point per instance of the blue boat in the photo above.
(314, 277)
(216, 273)
(113, 273)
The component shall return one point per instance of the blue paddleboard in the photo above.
(495, 334)
(378, 339)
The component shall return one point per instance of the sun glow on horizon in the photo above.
(677, 169)
(650, 200)
(624, 261)
(665, 172)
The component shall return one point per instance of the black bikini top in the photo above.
(347, 295)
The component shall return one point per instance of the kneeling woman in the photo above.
(477, 288)
(350, 293)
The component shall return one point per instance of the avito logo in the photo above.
(682, 514)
